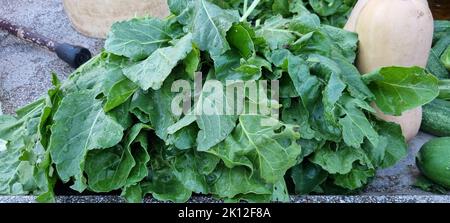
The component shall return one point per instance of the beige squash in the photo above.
(95, 17)
(393, 33)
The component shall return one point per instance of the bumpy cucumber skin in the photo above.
(433, 160)
(436, 118)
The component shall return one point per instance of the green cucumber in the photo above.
(433, 160)
(435, 118)
(444, 89)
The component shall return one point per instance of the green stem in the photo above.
(245, 5)
(249, 11)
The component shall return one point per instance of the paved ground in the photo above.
(25, 75)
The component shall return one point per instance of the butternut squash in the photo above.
(393, 33)
(95, 17)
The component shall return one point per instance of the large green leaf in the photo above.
(229, 182)
(340, 160)
(152, 72)
(275, 31)
(137, 38)
(108, 169)
(307, 176)
(262, 143)
(356, 126)
(398, 89)
(210, 25)
(355, 179)
(80, 125)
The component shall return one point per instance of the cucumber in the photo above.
(435, 118)
(444, 89)
(433, 160)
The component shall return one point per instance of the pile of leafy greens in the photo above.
(110, 127)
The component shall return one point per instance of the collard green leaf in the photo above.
(213, 118)
(305, 22)
(340, 160)
(355, 179)
(307, 85)
(80, 125)
(307, 176)
(164, 186)
(275, 31)
(210, 25)
(356, 126)
(18, 137)
(119, 93)
(229, 182)
(108, 169)
(138, 135)
(192, 62)
(347, 42)
(298, 115)
(133, 194)
(398, 89)
(152, 72)
(187, 169)
(240, 38)
(263, 143)
(352, 78)
(137, 38)
(331, 94)
(325, 7)
(395, 143)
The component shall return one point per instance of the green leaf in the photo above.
(240, 38)
(210, 25)
(391, 148)
(281, 7)
(305, 22)
(137, 38)
(192, 62)
(339, 161)
(108, 169)
(331, 94)
(298, 115)
(356, 127)
(24, 164)
(80, 125)
(152, 72)
(275, 32)
(263, 143)
(187, 169)
(133, 194)
(399, 89)
(119, 93)
(355, 179)
(165, 186)
(346, 41)
(138, 134)
(306, 85)
(229, 182)
(352, 78)
(214, 122)
(325, 7)
(307, 176)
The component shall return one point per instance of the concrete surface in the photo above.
(25, 75)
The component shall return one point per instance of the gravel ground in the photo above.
(25, 75)
(25, 69)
